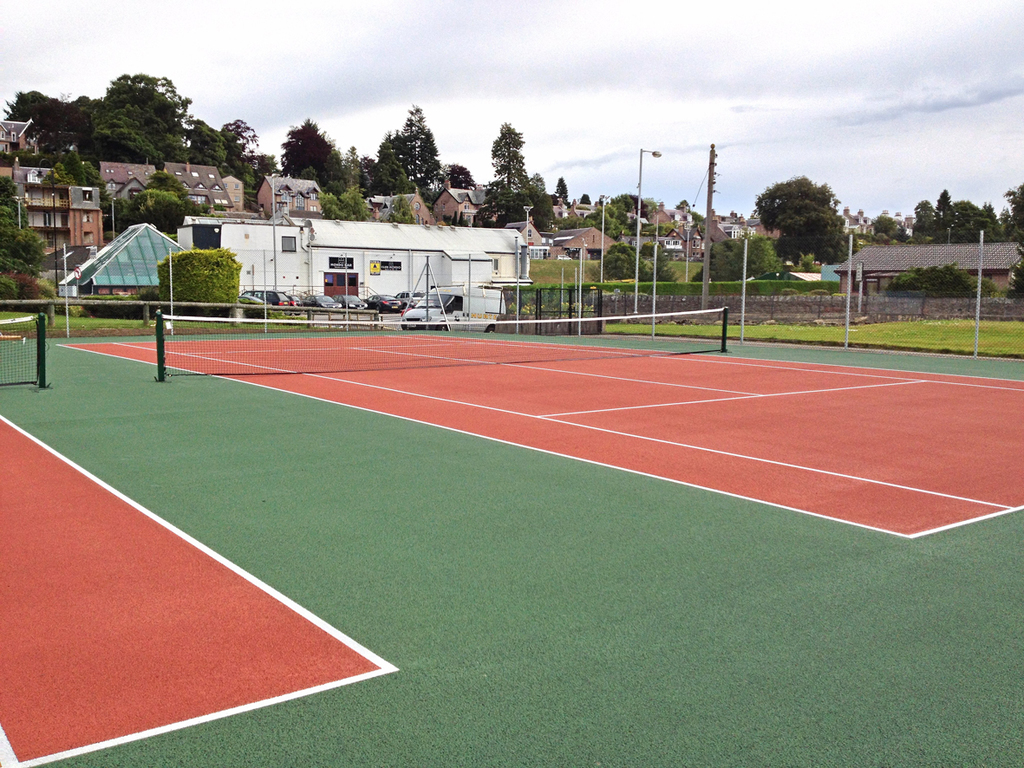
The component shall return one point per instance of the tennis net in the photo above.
(23, 350)
(244, 346)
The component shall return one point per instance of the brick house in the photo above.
(381, 206)
(125, 180)
(14, 136)
(537, 243)
(453, 203)
(61, 214)
(577, 243)
(299, 198)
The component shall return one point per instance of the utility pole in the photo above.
(707, 231)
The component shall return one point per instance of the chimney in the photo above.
(447, 184)
(846, 211)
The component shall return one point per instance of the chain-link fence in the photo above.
(962, 298)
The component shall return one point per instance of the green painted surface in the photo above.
(548, 612)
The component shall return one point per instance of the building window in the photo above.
(288, 244)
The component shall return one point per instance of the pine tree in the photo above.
(416, 150)
(388, 176)
(561, 190)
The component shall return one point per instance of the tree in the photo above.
(507, 159)
(799, 208)
(349, 206)
(388, 176)
(1017, 275)
(805, 215)
(165, 182)
(1015, 197)
(619, 262)
(943, 210)
(21, 250)
(206, 146)
(59, 125)
(200, 275)
(20, 108)
(164, 210)
(585, 199)
(885, 226)
(924, 219)
(416, 151)
(509, 192)
(727, 258)
(543, 212)
(665, 271)
(306, 146)
(459, 176)
(141, 119)
(401, 213)
(561, 190)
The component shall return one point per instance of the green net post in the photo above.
(161, 368)
(725, 327)
(41, 350)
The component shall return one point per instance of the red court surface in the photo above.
(905, 453)
(116, 626)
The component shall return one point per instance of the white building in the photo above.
(359, 258)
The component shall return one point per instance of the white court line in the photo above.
(729, 399)
(1002, 508)
(661, 441)
(384, 667)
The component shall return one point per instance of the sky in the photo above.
(888, 103)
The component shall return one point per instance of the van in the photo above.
(453, 308)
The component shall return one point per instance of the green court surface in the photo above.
(546, 611)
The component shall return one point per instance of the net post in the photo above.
(725, 327)
(41, 350)
(161, 368)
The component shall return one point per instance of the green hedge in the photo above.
(8, 288)
(208, 276)
(733, 288)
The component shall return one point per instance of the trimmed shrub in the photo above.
(8, 288)
(201, 275)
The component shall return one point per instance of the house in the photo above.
(583, 243)
(672, 215)
(125, 180)
(381, 206)
(453, 205)
(320, 256)
(285, 194)
(533, 237)
(14, 136)
(203, 183)
(857, 223)
(879, 264)
(125, 265)
(236, 193)
(61, 214)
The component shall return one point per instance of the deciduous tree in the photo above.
(306, 146)
(141, 119)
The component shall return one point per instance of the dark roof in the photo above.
(899, 258)
(122, 173)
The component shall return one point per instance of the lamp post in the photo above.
(639, 210)
(602, 199)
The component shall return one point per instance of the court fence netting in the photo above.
(23, 350)
(245, 346)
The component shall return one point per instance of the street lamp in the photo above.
(601, 200)
(639, 209)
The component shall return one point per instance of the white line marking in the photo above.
(566, 456)
(661, 441)
(729, 399)
(385, 667)
(7, 757)
(1003, 510)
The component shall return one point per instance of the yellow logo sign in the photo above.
(374, 267)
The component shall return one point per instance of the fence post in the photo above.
(41, 350)
(161, 371)
(977, 308)
(849, 288)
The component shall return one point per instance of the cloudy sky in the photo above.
(887, 102)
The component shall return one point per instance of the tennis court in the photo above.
(756, 558)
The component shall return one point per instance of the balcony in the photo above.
(36, 202)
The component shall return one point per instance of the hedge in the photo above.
(731, 288)
(201, 275)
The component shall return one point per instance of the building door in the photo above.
(341, 283)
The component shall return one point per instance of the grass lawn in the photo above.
(90, 326)
(999, 339)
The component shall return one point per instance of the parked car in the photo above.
(324, 302)
(274, 298)
(385, 303)
(408, 297)
(352, 302)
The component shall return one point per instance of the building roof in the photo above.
(129, 260)
(373, 235)
(475, 196)
(122, 173)
(899, 258)
(290, 184)
(14, 128)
